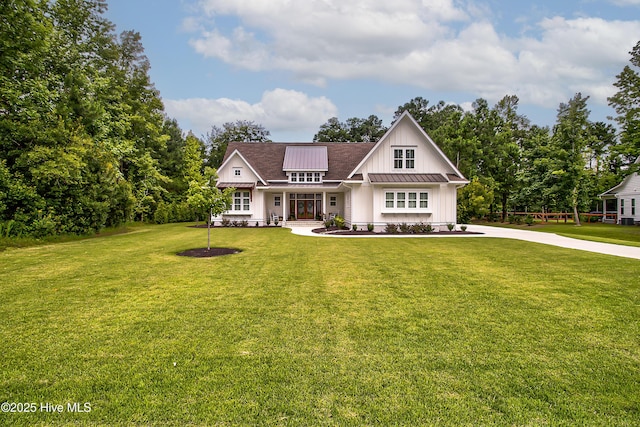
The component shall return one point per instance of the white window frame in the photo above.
(277, 201)
(306, 177)
(406, 200)
(237, 172)
(241, 202)
(404, 158)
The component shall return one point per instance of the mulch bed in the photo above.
(208, 253)
(335, 231)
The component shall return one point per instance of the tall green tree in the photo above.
(571, 137)
(626, 103)
(240, 131)
(353, 129)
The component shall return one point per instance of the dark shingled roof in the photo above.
(267, 157)
(406, 178)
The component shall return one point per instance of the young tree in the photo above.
(207, 200)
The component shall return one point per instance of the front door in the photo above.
(305, 209)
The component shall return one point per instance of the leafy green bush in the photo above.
(225, 222)
(528, 220)
(451, 226)
(339, 221)
(370, 227)
(354, 227)
(404, 228)
(391, 228)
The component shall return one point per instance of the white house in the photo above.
(403, 178)
(627, 195)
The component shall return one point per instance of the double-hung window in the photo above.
(398, 155)
(404, 158)
(241, 201)
(406, 201)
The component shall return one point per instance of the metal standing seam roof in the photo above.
(407, 178)
(297, 158)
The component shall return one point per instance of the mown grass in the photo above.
(319, 331)
(597, 232)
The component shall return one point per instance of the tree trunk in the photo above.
(504, 206)
(576, 216)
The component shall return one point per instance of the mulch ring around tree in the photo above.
(208, 253)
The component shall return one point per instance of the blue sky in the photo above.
(290, 65)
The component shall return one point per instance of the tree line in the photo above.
(85, 142)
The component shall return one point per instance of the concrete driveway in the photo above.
(509, 233)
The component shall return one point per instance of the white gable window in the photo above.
(237, 172)
(241, 201)
(404, 158)
(416, 201)
(306, 177)
(397, 158)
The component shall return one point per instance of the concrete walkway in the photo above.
(508, 233)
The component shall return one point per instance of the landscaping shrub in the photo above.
(451, 226)
(528, 220)
(404, 228)
(244, 223)
(417, 228)
(225, 222)
(370, 227)
(339, 221)
(354, 227)
(391, 228)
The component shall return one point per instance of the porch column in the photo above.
(285, 204)
(324, 205)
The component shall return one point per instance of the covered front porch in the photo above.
(304, 204)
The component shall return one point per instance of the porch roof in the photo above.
(238, 185)
(407, 178)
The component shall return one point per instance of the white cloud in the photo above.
(432, 44)
(626, 2)
(286, 113)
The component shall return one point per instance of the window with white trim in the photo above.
(237, 171)
(404, 158)
(276, 201)
(306, 177)
(406, 201)
(398, 155)
(241, 201)
(621, 206)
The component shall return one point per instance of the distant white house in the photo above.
(627, 195)
(403, 178)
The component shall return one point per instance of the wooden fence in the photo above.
(568, 216)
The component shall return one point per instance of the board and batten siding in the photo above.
(442, 197)
(628, 192)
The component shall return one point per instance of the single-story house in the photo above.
(627, 195)
(402, 178)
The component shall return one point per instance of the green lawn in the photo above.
(319, 331)
(597, 232)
